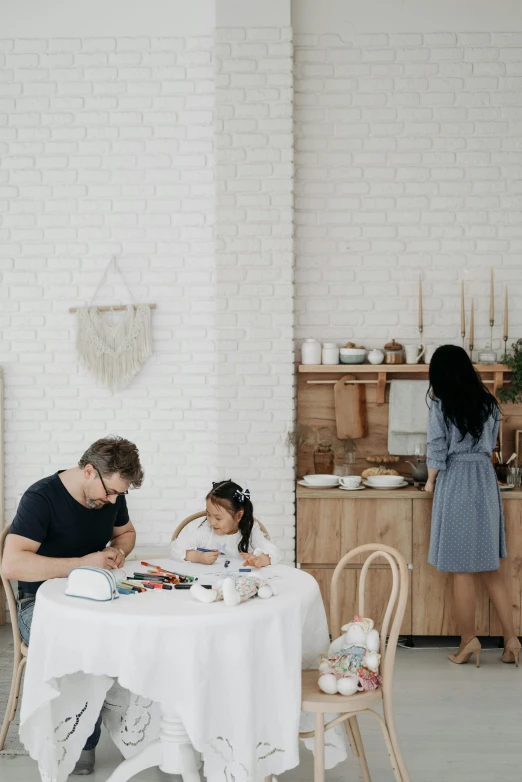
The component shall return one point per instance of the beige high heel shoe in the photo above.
(472, 647)
(511, 651)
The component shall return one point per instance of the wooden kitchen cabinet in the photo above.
(329, 528)
(511, 567)
(330, 523)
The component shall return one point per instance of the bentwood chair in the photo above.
(348, 708)
(20, 649)
(199, 515)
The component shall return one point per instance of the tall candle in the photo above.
(472, 325)
(506, 325)
(421, 326)
(491, 300)
(462, 312)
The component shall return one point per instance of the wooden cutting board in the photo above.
(350, 409)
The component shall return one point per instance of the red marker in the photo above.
(156, 585)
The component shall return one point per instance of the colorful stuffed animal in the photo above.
(233, 590)
(352, 662)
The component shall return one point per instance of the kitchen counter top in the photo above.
(408, 492)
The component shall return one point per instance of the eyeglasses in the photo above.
(109, 493)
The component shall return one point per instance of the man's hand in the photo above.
(107, 558)
(251, 560)
(120, 557)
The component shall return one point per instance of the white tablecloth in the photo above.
(232, 674)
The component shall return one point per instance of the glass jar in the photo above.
(393, 353)
(323, 462)
(344, 465)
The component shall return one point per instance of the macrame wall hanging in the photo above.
(114, 353)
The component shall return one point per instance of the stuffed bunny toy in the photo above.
(353, 660)
(233, 590)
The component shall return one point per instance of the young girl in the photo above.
(228, 529)
(467, 525)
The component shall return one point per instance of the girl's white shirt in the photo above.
(199, 534)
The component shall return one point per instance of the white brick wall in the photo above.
(408, 161)
(106, 146)
(254, 269)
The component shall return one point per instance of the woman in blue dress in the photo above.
(467, 523)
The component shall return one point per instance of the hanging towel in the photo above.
(408, 416)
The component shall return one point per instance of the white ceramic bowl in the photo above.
(315, 480)
(385, 480)
(352, 355)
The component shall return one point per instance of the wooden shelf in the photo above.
(383, 373)
(388, 368)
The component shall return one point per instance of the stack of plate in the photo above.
(320, 481)
(385, 482)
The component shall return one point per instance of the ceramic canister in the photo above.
(330, 353)
(311, 351)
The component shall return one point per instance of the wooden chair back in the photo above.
(396, 602)
(204, 513)
(11, 600)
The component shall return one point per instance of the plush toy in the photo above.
(233, 590)
(353, 660)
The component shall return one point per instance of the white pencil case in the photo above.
(92, 583)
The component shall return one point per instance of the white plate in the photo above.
(346, 488)
(507, 487)
(319, 485)
(386, 488)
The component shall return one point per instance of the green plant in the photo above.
(513, 393)
(321, 439)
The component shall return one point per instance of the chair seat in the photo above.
(24, 649)
(315, 700)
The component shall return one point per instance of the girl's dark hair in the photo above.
(230, 495)
(465, 400)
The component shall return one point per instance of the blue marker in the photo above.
(245, 570)
(210, 551)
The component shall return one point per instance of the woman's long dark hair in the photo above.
(465, 400)
(231, 497)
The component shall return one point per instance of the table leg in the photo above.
(172, 752)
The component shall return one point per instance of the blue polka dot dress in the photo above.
(467, 523)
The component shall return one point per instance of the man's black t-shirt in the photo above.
(49, 515)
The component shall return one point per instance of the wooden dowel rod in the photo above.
(363, 382)
(114, 308)
(333, 382)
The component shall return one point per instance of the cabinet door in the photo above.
(328, 529)
(319, 531)
(378, 587)
(432, 603)
(511, 567)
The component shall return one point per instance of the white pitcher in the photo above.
(414, 353)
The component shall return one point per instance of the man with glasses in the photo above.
(56, 530)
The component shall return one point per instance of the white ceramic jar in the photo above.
(375, 356)
(311, 351)
(330, 353)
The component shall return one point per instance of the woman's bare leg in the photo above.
(499, 596)
(465, 601)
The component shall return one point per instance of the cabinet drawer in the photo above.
(328, 529)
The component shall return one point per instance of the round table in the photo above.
(224, 681)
